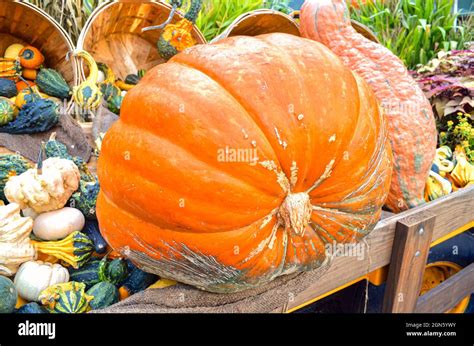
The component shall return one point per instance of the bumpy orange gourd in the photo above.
(240, 161)
(412, 129)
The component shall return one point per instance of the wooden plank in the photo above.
(452, 212)
(449, 293)
(408, 260)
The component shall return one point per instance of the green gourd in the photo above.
(96, 271)
(115, 271)
(141, 73)
(132, 79)
(51, 82)
(104, 294)
(85, 199)
(54, 148)
(115, 104)
(8, 88)
(109, 76)
(34, 117)
(8, 295)
(8, 111)
(66, 298)
(11, 165)
(109, 90)
(88, 274)
(137, 281)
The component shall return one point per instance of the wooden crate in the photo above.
(398, 242)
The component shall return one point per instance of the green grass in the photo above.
(415, 30)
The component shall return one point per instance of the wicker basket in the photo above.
(260, 22)
(24, 23)
(112, 35)
(265, 21)
(21, 22)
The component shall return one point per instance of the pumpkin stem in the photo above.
(295, 212)
(161, 26)
(39, 166)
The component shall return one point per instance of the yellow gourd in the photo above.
(463, 173)
(88, 95)
(13, 51)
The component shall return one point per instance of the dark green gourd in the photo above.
(51, 82)
(85, 199)
(91, 229)
(34, 117)
(104, 294)
(11, 165)
(8, 88)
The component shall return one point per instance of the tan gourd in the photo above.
(15, 246)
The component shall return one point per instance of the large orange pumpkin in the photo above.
(239, 161)
(412, 129)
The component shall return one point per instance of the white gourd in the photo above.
(47, 191)
(15, 245)
(35, 276)
(58, 224)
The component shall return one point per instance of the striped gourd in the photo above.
(75, 249)
(8, 111)
(66, 298)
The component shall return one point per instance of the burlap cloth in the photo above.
(67, 131)
(181, 298)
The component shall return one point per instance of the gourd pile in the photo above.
(30, 93)
(52, 255)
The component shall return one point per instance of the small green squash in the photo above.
(109, 75)
(115, 271)
(8, 111)
(96, 271)
(66, 298)
(88, 274)
(8, 88)
(85, 199)
(104, 294)
(35, 117)
(132, 79)
(109, 90)
(11, 165)
(51, 82)
(8, 295)
(115, 104)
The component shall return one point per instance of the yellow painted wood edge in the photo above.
(366, 277)
(453, 234)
